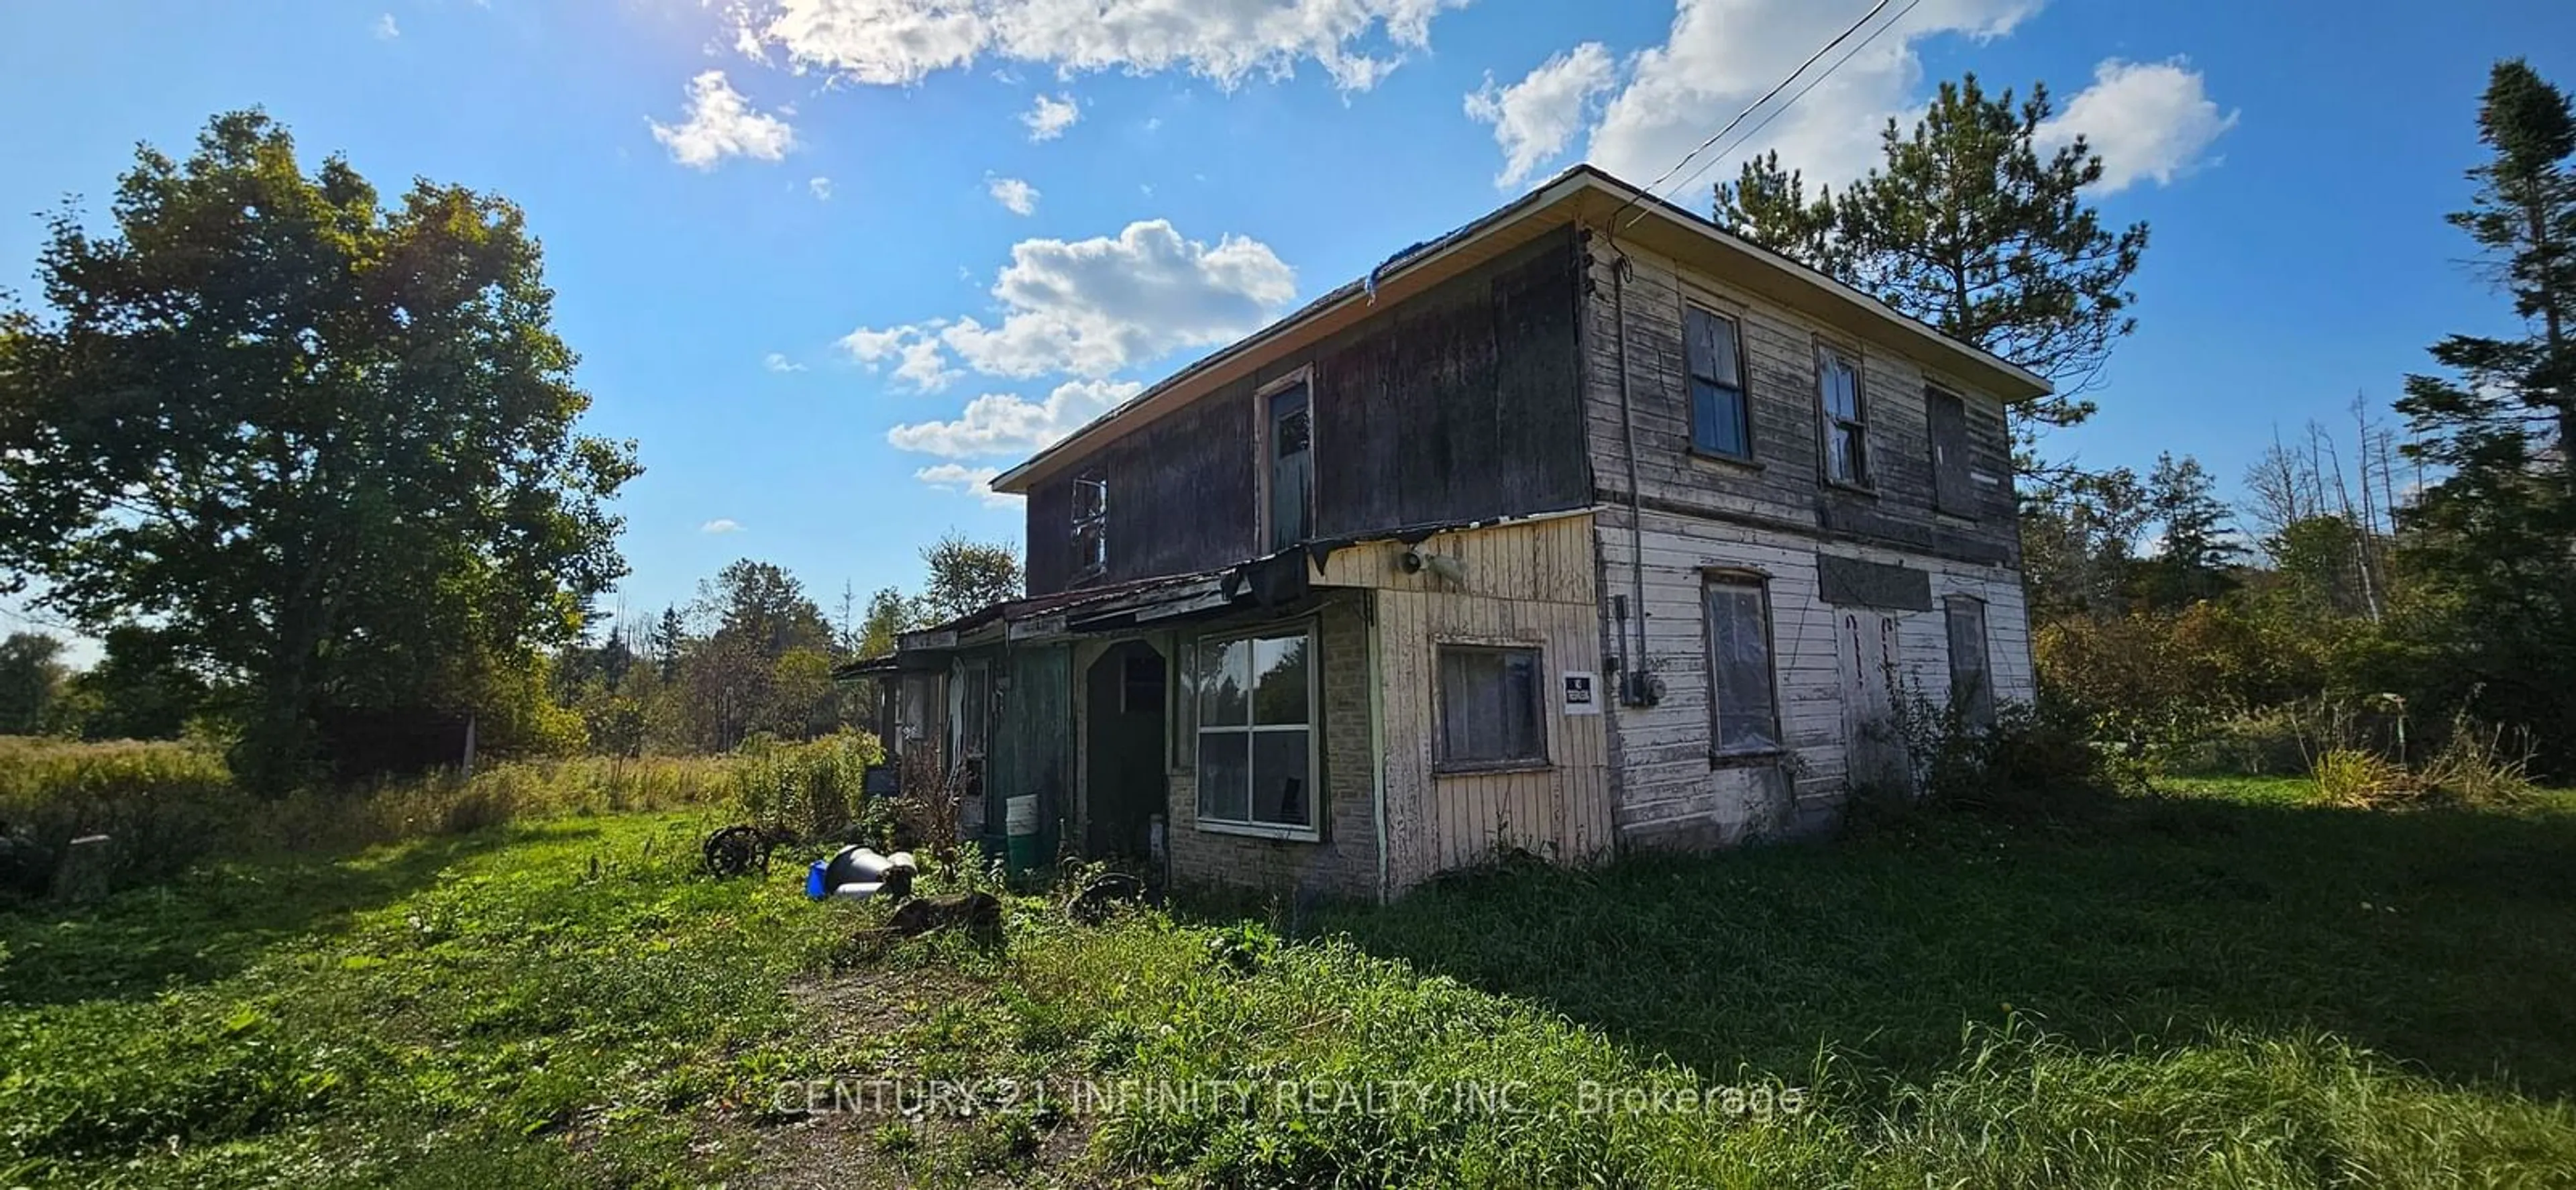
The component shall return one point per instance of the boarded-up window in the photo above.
(1090, 527)
(1744, 710)
(1489, 707)
(1972, 683)
(1256, 740)
(1718, 420)
(1291, 446)
(1952, 490)
(1846, 435)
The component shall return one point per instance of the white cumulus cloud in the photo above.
(1050, 116)
(974, 481)
(1016, 196)
(386, 28)
(821, 188)
(720, 123)
(721, 525)
(899, 42)
(1721, 55)
(998, 424)
(2148, 120)
(1534, 118)
(1094, 307)
(915, 351)
(780, 363)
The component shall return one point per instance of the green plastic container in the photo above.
(1020, 840)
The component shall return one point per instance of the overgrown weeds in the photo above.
(165, 806)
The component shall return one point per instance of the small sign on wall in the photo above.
(1582, 692)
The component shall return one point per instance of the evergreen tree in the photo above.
(1969, 227)
(669, 636)
(2494, 539)
(2199, 545)
(1768, 206)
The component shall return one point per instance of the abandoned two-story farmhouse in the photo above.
(1585, 527)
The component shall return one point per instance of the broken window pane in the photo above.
(1292, 468)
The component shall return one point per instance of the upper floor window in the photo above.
(1846, 432)
(1289, 444)
(1953, 491)
(1719, 421)
(1090, 526)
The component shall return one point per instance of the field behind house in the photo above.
(2222, 988)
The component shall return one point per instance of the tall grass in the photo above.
(166, 805)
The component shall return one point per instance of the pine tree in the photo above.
(1768, 206)
(2494, 539)
(1969, 227)
(669, 636)
(2199, 545)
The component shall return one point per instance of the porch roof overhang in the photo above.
(1139, 605)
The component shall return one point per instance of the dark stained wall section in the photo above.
(1460, 403)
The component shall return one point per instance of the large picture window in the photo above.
(1719, 425)
(1744, 710)
(1255, 731)
(1490, 701)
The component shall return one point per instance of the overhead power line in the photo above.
(1768, 96)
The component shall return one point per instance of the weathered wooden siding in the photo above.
(1460, 403)
(1672, 791)
(1032, 732)
(1783, 486)
(1528, 583)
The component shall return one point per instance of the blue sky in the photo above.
(827, 260)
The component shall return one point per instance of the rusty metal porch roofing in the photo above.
(1581, 195)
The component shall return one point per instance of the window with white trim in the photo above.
(1490, 700)
(1255, 730)
(1838, 397)
(1744, 707)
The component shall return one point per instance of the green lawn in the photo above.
(2222, 988)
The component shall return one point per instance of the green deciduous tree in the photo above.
(327, 445)
(965, 576)
(31, 679)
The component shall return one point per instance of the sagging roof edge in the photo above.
(1180, 387)
(1243, 584)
